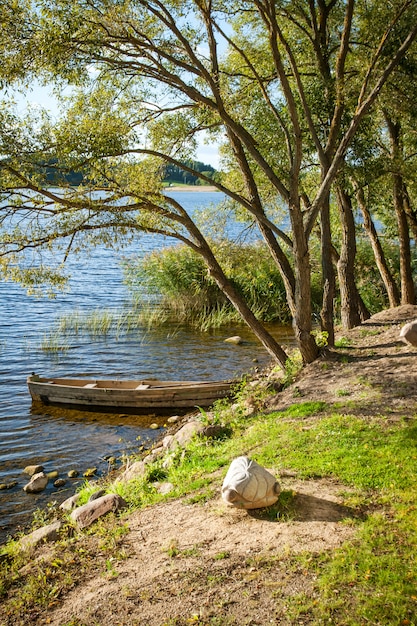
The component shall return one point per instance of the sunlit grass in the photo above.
(371, 578)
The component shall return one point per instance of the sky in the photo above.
(39, 96)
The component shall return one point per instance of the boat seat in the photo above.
(142, 387)
(90, 385)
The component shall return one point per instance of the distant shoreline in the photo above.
(191, 188)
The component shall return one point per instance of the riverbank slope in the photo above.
(339, 546)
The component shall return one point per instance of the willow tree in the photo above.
(153, 76)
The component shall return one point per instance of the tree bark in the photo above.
(302, 317)
(328, 275)
(407, 283)
(350, 308)
(269, 343)
(382, 265)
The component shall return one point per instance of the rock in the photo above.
(154, 426)
(60, 482)
(52, 475)
(37, 483)
(96, 494)
(186, 433)
(164, 488)
(73, 473)
(173, 419)
(153, 455)
(248, 485)
(236, 340)
(136, 470)
(215, 431)
(90, 512)
(33, 469)
(167, 441)
(408, 333)
(90, 472)
(70, 503)
(4, 486)
(46, 533)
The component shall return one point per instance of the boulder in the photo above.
(136, 470)
(248, 485)
(37, 483)
(174, 419)
(90, 512)
(46, 533)
(91, 471)
(408, 333)
(97, 494)
(33, 469)
(153, 455)
(236, 340)
(164, 487)
(70, 503)
(8, 485)
(185, 434)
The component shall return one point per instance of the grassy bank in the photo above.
(359, 439)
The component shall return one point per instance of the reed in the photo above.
(177, 278)
(94, 323)
(52, 343)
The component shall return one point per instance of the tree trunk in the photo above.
(411, 213)
(407, 284)
(269, 343)
(328, 275)
(350, 310)
(388, 279)
(302, 318)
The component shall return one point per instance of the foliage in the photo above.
(288, 89)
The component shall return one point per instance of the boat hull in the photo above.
(150, 395)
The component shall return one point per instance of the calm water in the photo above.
(65, 439)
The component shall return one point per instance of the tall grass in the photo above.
(179, 279)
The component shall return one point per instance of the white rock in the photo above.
(236, 340)
(135, 470)
(248, 485)
(37, 483)
(164, 488)
(173, 419)
(408, 333)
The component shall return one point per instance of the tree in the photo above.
(152, 76)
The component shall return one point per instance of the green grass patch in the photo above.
(371, 579)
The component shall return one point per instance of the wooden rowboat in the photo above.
(150, 395)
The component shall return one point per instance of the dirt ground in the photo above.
(211, 564)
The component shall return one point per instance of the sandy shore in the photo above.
(191, 188)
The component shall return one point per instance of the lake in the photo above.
(63, 440)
